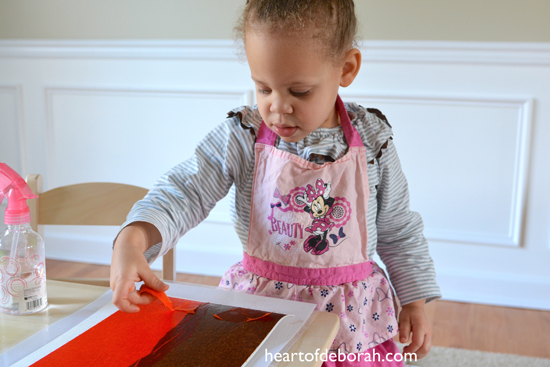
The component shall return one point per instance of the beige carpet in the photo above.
(454, 357)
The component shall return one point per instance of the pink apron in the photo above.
(308, 240)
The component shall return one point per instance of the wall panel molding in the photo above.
(51, 92)
(121, 49)
(456, 52)
(17, 143)
(523, 107)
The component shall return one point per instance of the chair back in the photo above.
(93, 203)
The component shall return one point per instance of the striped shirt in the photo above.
(223, 162)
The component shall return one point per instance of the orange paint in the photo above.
(239, 315)
(257, 318)
(188, 307)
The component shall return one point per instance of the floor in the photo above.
(454, 324)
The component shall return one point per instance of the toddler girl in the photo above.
(317, 189)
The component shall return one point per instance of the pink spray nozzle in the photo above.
(17, 191)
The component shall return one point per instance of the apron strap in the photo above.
(268, 137)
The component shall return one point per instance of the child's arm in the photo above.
(413, 318)
(404, 250)
(128, 266)
(401, 243)
(179, 200)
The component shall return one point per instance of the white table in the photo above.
(66, 298)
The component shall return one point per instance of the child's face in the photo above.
(296, 84)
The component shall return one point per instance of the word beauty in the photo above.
(282, 227)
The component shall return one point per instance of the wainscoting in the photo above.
(471, 124)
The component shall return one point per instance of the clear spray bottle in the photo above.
(22, 254)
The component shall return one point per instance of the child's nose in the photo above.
(280, 106)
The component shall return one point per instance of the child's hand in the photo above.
(128, 266)
(413, 318)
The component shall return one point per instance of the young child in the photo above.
(318, 188)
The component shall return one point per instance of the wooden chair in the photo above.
(95, 203)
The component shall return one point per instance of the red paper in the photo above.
(218, 335)
(122, 339)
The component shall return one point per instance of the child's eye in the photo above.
(263, 91)
(300, 94)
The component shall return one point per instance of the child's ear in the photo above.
(350, 67)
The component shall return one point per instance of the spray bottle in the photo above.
(22, 254)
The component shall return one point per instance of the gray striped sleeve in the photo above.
(183, 197)
(401, 243)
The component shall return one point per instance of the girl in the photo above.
(318, 188)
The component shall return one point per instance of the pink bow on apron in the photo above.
(308, 221)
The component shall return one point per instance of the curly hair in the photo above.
(330, 22)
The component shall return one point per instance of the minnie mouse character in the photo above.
(319, 206)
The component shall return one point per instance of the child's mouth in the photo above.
(285, 131)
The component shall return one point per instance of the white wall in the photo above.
(471, 124)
